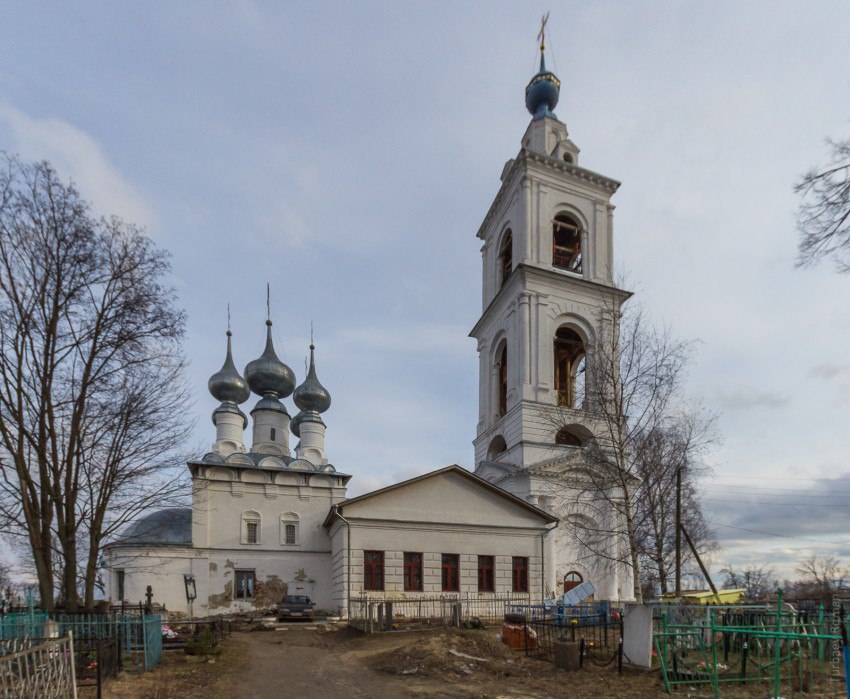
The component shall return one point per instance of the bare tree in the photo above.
(822, 576)
(824, 215)
(92, 394)
(633, 388)
(759, 582)
(658, 456)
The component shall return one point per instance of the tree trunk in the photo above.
(633, 546)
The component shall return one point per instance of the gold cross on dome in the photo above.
(542, 34)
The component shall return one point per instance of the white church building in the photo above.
(267, 520)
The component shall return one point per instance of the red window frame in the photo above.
(486, 574)
(451, 572)
(412, 572)
(519, 570)
(373, 570)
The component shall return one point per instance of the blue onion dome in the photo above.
(267, 374)
(542, 92)
(226, 385)
(311, 396)
(295, 424)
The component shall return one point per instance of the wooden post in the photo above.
(701, 565)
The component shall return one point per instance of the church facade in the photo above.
(266, 520)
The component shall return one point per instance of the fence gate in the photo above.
(45, 671)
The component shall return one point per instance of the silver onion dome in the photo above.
(311, 396)
(226, 385)
(267, 374)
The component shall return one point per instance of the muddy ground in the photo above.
(319, 663)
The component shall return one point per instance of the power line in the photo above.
(778, 492)
(787, 504)
(779, 478)
(781, 536)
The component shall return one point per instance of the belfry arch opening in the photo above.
(506, 260)
(570, 368)
(566, 243)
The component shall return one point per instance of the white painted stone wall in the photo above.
(442, 514)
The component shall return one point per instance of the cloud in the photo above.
(77, 155)
(828, 371)
(745, 397)
(777, 523)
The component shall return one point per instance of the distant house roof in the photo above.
(171, 527)
(546, 516)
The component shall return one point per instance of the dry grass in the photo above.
(178, 675)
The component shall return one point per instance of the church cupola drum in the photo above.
(312, 400)
(228, 386)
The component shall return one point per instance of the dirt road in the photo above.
(308, 664)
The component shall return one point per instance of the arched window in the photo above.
(566, 243)
(572, 580)
(251, 529)
(289, 529)
(569, 368)
(497, 446)
(506, 261)
(503, 381)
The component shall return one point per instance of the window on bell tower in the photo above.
(569, 368)
(503, 381)
(506, 262)
(566, 243)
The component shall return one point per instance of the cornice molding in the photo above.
(525, 156)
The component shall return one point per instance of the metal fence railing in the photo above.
(372, 614)
(45, 670)
(585, 612)
(22, 624)
(781, 651)
(139, 636)
(96, 660)
(600, 639)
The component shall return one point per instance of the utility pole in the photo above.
(679, 532)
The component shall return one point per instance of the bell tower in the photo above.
(547, 260)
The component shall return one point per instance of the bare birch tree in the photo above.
(633, 387)
(92, 393)
(659, 456)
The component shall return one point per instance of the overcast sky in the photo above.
(347, 153)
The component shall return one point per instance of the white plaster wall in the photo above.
(450, 499)
(163, 569)
(432, 542)
(221, 501)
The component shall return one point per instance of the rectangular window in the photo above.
(413, 572)
(485, 573)
(519, 567)
(244, 584)
(451, 572)
(119, 584)
(252, 533)
(289, 533)
(373, 570)
(273, 433)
